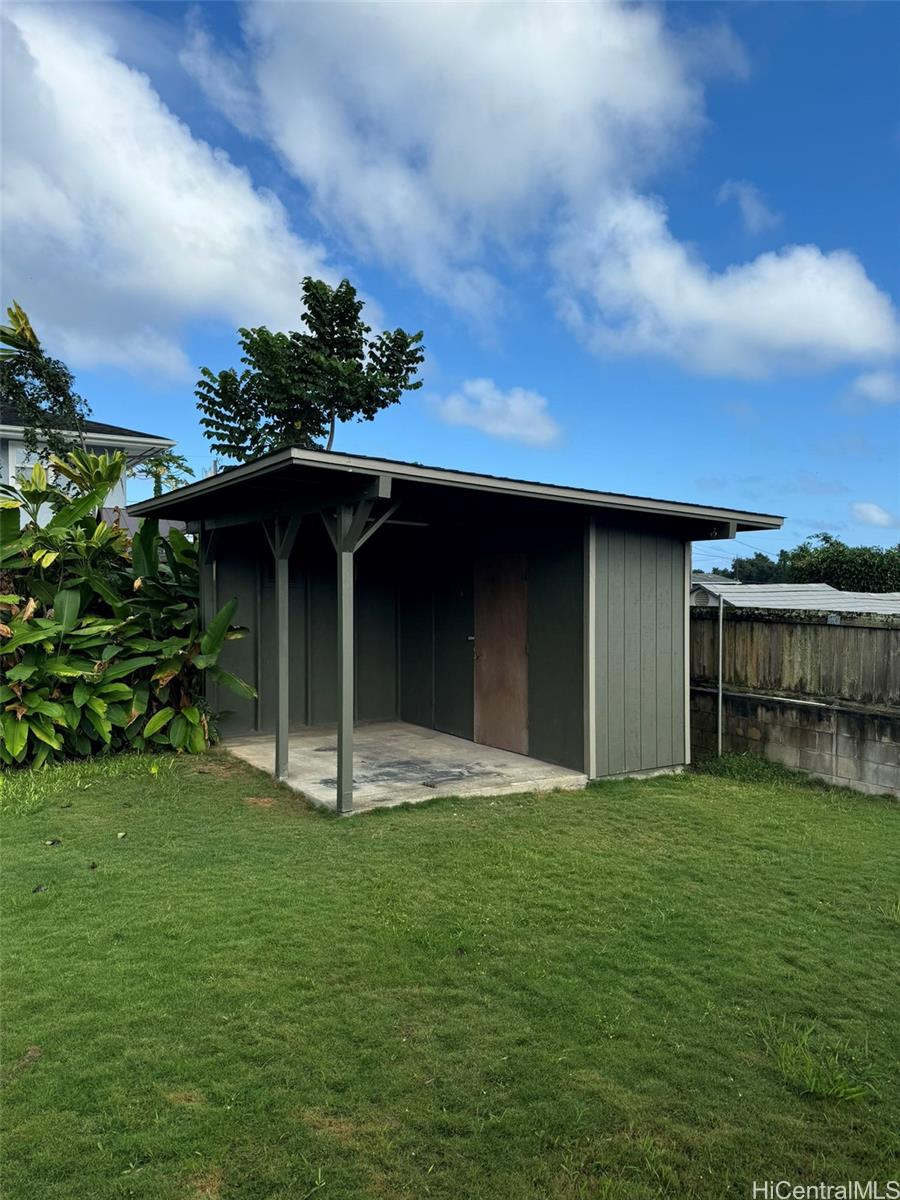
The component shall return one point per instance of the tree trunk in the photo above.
(330, 441)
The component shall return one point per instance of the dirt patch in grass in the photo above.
(31, 1055)
(207, 1186)
(191, 1099)
(344, 1130)
(260, 801)
(351, 1131)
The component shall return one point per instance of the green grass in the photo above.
(665, 988)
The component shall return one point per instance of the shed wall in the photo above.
(414, 623)
(244, 568)
(639, 599)
(556, 648)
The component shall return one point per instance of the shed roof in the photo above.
(797, 597)
(326, 468)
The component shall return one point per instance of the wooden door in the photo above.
(501, 653)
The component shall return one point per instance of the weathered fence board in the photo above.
(799, 657)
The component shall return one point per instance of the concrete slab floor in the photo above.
(396, 763)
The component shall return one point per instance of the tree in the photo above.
(167, 470)
(823, 558)
(758, 569)
(39, 389)
(296, 386)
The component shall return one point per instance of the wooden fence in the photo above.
(799, 655)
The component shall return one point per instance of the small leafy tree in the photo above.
(296, 386)
(39, 389)
(101, 642)
(167, 470)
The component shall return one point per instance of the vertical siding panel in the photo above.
(648, 554)
(665, 701)
(602, 698)
(680, 551)
(631, 605)
(298, 644)
(640, 651)
(615, 632)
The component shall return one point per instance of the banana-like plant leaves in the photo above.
(66, 607)
(179, 732)
(232, 682)
(214, 637)
(158, 721)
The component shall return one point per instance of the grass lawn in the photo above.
(660, 988)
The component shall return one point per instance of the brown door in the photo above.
(501, 655)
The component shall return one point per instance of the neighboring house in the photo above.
(709, 577)
(98, 437)
(458, 612)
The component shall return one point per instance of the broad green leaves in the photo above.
(101, 645)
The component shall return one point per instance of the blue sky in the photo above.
(653, 250)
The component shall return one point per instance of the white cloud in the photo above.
(121, 227)
(873, 514)
(460, 128)
(450, 142)
(755, 213)
(633, 288)
(516, 415)
(876, 387)
(468, 137)
(220, 76)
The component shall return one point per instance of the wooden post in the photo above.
(349, 529)
(345, 664)
(281, 539)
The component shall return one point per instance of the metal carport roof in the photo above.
(799, 597)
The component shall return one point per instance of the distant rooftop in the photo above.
(793, 597)
(10, 418)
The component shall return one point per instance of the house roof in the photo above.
(278, 476)
(9, 419)
(797, 597)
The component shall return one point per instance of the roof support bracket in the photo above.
(349, 529)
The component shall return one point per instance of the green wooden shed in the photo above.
(526, 619)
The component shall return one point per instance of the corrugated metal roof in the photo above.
(794, 597)
(709, 577)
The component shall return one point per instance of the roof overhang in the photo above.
(135, 448)
(292, 478)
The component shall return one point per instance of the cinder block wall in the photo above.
(848, 745)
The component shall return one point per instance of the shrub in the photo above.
(101, 644)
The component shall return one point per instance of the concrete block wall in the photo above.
(846, 745)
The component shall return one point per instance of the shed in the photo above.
(478, 632)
